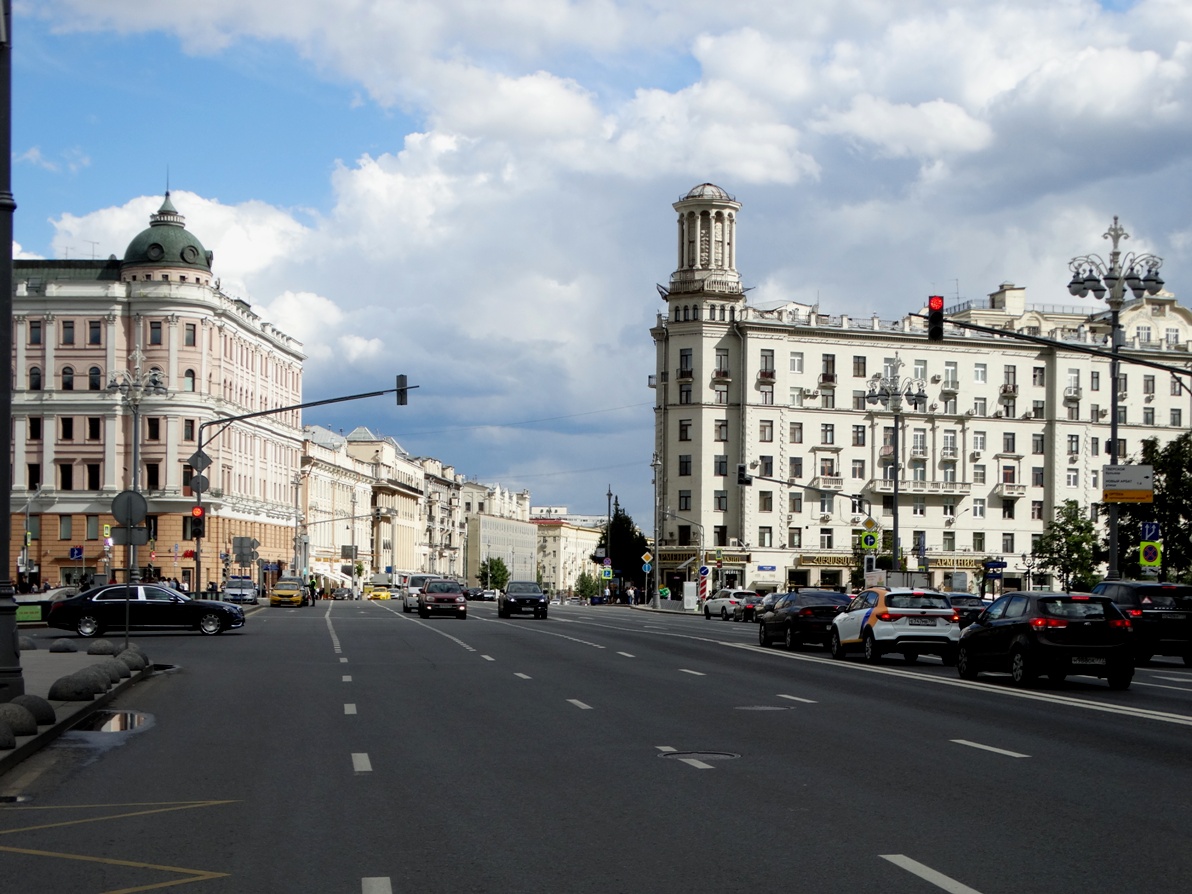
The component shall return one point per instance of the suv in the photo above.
(899, 619)
(1161, 615)
(521, 596)
(409, 600)
(442, 596)
(723, 603)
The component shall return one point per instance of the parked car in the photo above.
(802, 617)
(746, 608)
(767, 604)
(148, 606)
(522, 596)
(341, 593)
(442, 597)
(880, 620)
(1161, 615)
(287, 591)
(474, 593)
(409, 600)
(1057, 634)
(722, 604)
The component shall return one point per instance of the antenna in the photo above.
(93, 244)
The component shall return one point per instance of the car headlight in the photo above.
(460, 599)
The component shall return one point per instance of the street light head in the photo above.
(1134, 281)
(1152, 281)
(1076, 285)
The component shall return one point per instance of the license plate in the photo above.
(1175, 616)
(1088, 660)
(922, 622)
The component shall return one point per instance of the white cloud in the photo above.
(926, 130)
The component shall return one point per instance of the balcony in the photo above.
(950, 386)
(684, 375)
(766, 375)
(1008, 491)
(919, 450)
(827, 482)
(1009, 391)
(912, 486)
(1072, 393)
(886, 453)
(721, 375)
(827, 380)
(949, 454)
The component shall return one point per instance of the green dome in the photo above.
(167, 243)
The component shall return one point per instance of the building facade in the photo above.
(565, 552)
(120, 366)
(999, 433)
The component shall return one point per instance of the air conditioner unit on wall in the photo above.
(733, 541)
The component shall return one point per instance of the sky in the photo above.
(477, 193)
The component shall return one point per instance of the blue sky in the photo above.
(478, 195)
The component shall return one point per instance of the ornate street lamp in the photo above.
(1108, 280)
(890, 391)
(655, 598)
(1028, 562)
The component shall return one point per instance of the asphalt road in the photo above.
(354, 748)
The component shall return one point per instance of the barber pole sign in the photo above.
(703, 583)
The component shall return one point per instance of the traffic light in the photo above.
(198, 521)
(402, 391)
(743, 477)
(935, 318)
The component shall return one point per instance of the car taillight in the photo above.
(732, 602)
(806, 613)
(1039, 623)
(955, 617)
(1120, 622)
(1134, 612)
(887, 616)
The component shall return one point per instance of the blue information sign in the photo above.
(1150, 530)
(646, 567)
(76, 552)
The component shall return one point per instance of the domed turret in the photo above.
(166, 244)
(707, 242)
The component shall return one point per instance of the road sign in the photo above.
(1150, 555)
(76, 552)
(767, 567)
(130, 536)
(606, 573)
(129, 508)
(1150, 531)
(647, 556)
(869, 540)
(993, 563)
(664, 592)
(704, 571)
(719, 554)
(199, 460)
(869, 524)
(646, 566)
(199, 483)
(1128, 484)
(607, 562)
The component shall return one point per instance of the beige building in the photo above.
(564, 553)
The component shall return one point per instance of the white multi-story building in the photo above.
(1005, 433)
(336, 508)
(499, 527)
(565, 552)
(399, 485)
(442, 547)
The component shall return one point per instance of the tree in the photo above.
(1172, 509)
(628, 547)
(587, 585)
(493, 573)
(1068, 547)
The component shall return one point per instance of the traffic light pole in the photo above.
(401, 390)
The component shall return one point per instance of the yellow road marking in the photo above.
(196, 875)
(186, 805)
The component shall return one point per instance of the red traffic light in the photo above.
(197, 511)
(935, 302)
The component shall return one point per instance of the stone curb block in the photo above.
(8, 738)
(111, 673)
(27, 644)
(42, 711)
(62, 645)
(20, 720)
(102, 647)
(117, 666)
(134, 660)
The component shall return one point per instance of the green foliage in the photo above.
(628, 546)
(587, 585)
(1068, 547)
(493, 573)
(1172, 509)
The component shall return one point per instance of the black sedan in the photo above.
(1057, 634)
(522, 596)
(802, 617)
(148, 606)
(747, 609)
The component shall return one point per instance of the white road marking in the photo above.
(343, 661)
(1174, 679)
(1160, 686)
(361, 763)
(928, 874)
(684, 670)
(523, 676)
(488, 658)
(579, 704)
(626, 654)
(376, 886)
(988, 748)
(349, 709)
(795, 698)
(692, 762)
(666, 748)
(347, 678)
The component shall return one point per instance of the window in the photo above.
(794, 538)
(94, 379)
(1144, 334)
(189, 337)
(1094, 446)
(721, 392)
(1148, 384)
(92, 527)
(796, 467)
(827, 433)
(765, 430)
(979, 407)
(978, 541)
(684, 500)
(1039, 376)
(720, 500)
(34, 475)
(1038, 444)
(796, 361)
(1038, 409)
(828, 366)
(796, 432)
(188, 429)
(67, 428)
(949, 507)
(1073, 412)
(949, 543)
(684, 392)
(68, 332)
(720, 532)
(68, 378)
(720, 464)
(64, 527)
(684, 535)
(155, 333)
(94, 333)
(858, 468)
(767, 395)
(1010, 375)
(1122, 415)
(919, 505)
(796, 397)
(980, 373)
(1009, 474)
(1094, 381)
(188, 380)
(1177, 418)
(795, 503)
(858, 366)
(1123, 383)
(918, 470)
(685, 358)
(920, 369)
(684, 463)
(858, 400)
(1176, 387)
(1007, 543)
(950, 473)
(1148, 415)
(153, 428)
(93, 428)
(34, 428)
(1007, 508)
(65, 476)
(92, 476)
(765, 536)
(1037, 476)
(1008, 442)
(978, 440)
(827, 467)
(1172, 336)
(765, 501)
(828, 399)
(765, 466)
(1072, 478)
(1036, 509)
(825, 538)
(152, 476)
(858, 436)
(684, 429)
(35, 332)
(978, 508)
(951, 377)
(722, 359)
(767, 360)
(979, 474)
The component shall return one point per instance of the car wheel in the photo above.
(406, 609)
(911, 657)
(964, 664)
(1021, 672)
(835, 646)
(210, 624)
(872, 651)
(423, 614)
(88, 626)
(791, 640)
(763, 638)
(724, 614)
(1119, 678)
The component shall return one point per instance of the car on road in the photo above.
(746, 609)
(722, 604)
(802, 617)
(1053, 634)
(379, 591)
(341, 593)
(474, 593)
(767, 604)
(148, 606)
(967, 606)
(287, 591)
(240, 590)
(409, 599)
(909, 621)
(489, 595)
(1160, 613)
(522, 596)
(442, 597)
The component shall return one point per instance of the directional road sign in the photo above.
(869, 540)
(703, 571)
(76, 552)
(1150, 531)
(1128, 484)
(646, 566)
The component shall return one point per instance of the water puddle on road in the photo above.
(113, 722)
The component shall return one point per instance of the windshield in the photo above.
(418, 581)
(443, 586)
(1079, 609)
(522, 587)
(823, 599)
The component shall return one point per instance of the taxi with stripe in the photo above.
(907, 621)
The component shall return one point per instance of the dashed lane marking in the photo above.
(988, 748)
(1161, 686)
(684, 670)
(795, 698)
(579, 704)
(361, 763)
(488, 658)
(343, 661)
(928, 874)
(379, 885)
(626, 654)
(666, 749)
(349, 709)
(347, 678)
(523, 676)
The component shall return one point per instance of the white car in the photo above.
(881, 620)
(723, 603)
(409, 598)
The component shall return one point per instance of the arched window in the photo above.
(722, 313)
(68, 378)
(188, 380)
(686, 313)
(94, 379)
(732, 313)
(676, 313)
(35, 378)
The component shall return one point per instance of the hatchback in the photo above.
(1057, 634)
(442, 597)
(1161, 615)
(881, 620)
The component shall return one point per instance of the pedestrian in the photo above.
(606, 595)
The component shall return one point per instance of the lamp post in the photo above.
(1108, 280)
(352, 527)
(25, 539)
(299, 557)
(889, 391)
(134, 386)
(608, 533)
(1028, 562)
(700, 556)
(655, 598)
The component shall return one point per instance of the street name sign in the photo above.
(1128, 484)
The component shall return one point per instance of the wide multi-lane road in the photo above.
(354, 748)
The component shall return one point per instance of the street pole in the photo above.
(353, 529)
(655, 598)
(889, 391)
(608, 535)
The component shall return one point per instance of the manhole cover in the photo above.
(113, 722)
(762, 708)
(701, 755)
